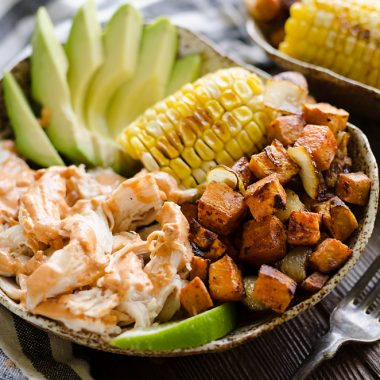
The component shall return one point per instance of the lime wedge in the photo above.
(191, 332)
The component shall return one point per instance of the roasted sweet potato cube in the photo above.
(190, 210)
(326, 114)
(339, 219)
(241, 167)
(273, 159)
(265, 197)
(303, 228)
(220, 208)
(274, 288)
(216, 251)
(331, 254)
(321, 142)
(225, 280)
(353, 188)
(195, 298)
(201, 236)
(315, 282)
(199, 268)
(264, 241)
(286, 129)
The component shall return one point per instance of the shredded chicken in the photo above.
(69, 249)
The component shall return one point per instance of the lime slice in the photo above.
(190, 332)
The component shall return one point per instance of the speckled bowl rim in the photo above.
(245, 333)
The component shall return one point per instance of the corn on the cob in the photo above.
(215, 120)
(342, 35)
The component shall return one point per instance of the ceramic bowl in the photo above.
(356, 97)
(363, 160)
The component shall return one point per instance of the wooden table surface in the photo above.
(275, 355)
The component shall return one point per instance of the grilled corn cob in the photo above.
(342, 35)
(215, 120)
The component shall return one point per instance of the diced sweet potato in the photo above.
(201, 236)
(265, 196)
(326, 114)
(274, 288)
(303, 228)
(273, 159)
(331, 254)
(293, 203)
(190, 210)
(217, 250)
(321, 142)
(339, 219)
(241, 167)
(286, 129)
(353, 188)
(199, 268)
(225, 280)
(195, 298)
(315, 282)
(264, 242)
(220, 208)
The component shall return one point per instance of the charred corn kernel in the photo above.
(149, 162)
(199, 175)
(191, 157)
(341, 30)
(180, 168)
(211, 121)
(189, 182)
(223, 158)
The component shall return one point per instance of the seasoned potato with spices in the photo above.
(353, 188)
(274, 288)
(241, 168)
(225, 280)
(264, 242)
(303, 228)
(249, 300)
(199, 268)
(201, 236)
(331, 254)
(315, 282)
(216, 251)
(265, 196)
(321, 142)
(195, 298)
(286, 129)
(273, 159)
(220, 208)
(326, 114)
(293, 203)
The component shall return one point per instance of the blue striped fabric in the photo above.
(26, 352)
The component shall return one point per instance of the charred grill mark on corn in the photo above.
(213, 121)
(343, 36)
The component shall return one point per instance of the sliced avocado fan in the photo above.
(157, 55)
(85, 54)
(121, 42)
(49, 88)
(185, 70)
(31, 140)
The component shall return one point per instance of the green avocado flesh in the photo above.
(185, 70)
(156, 59)
(31, 140)
(84, 53)
(191, 332)
(49, 88)
(121, 42)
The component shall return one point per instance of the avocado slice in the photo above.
(158, 51)
(85, 54)
(50, 89)
(31, 140)
(121, 42)
(185, 70)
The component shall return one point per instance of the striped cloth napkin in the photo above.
(29, 353)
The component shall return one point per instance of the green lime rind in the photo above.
(191, 332)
